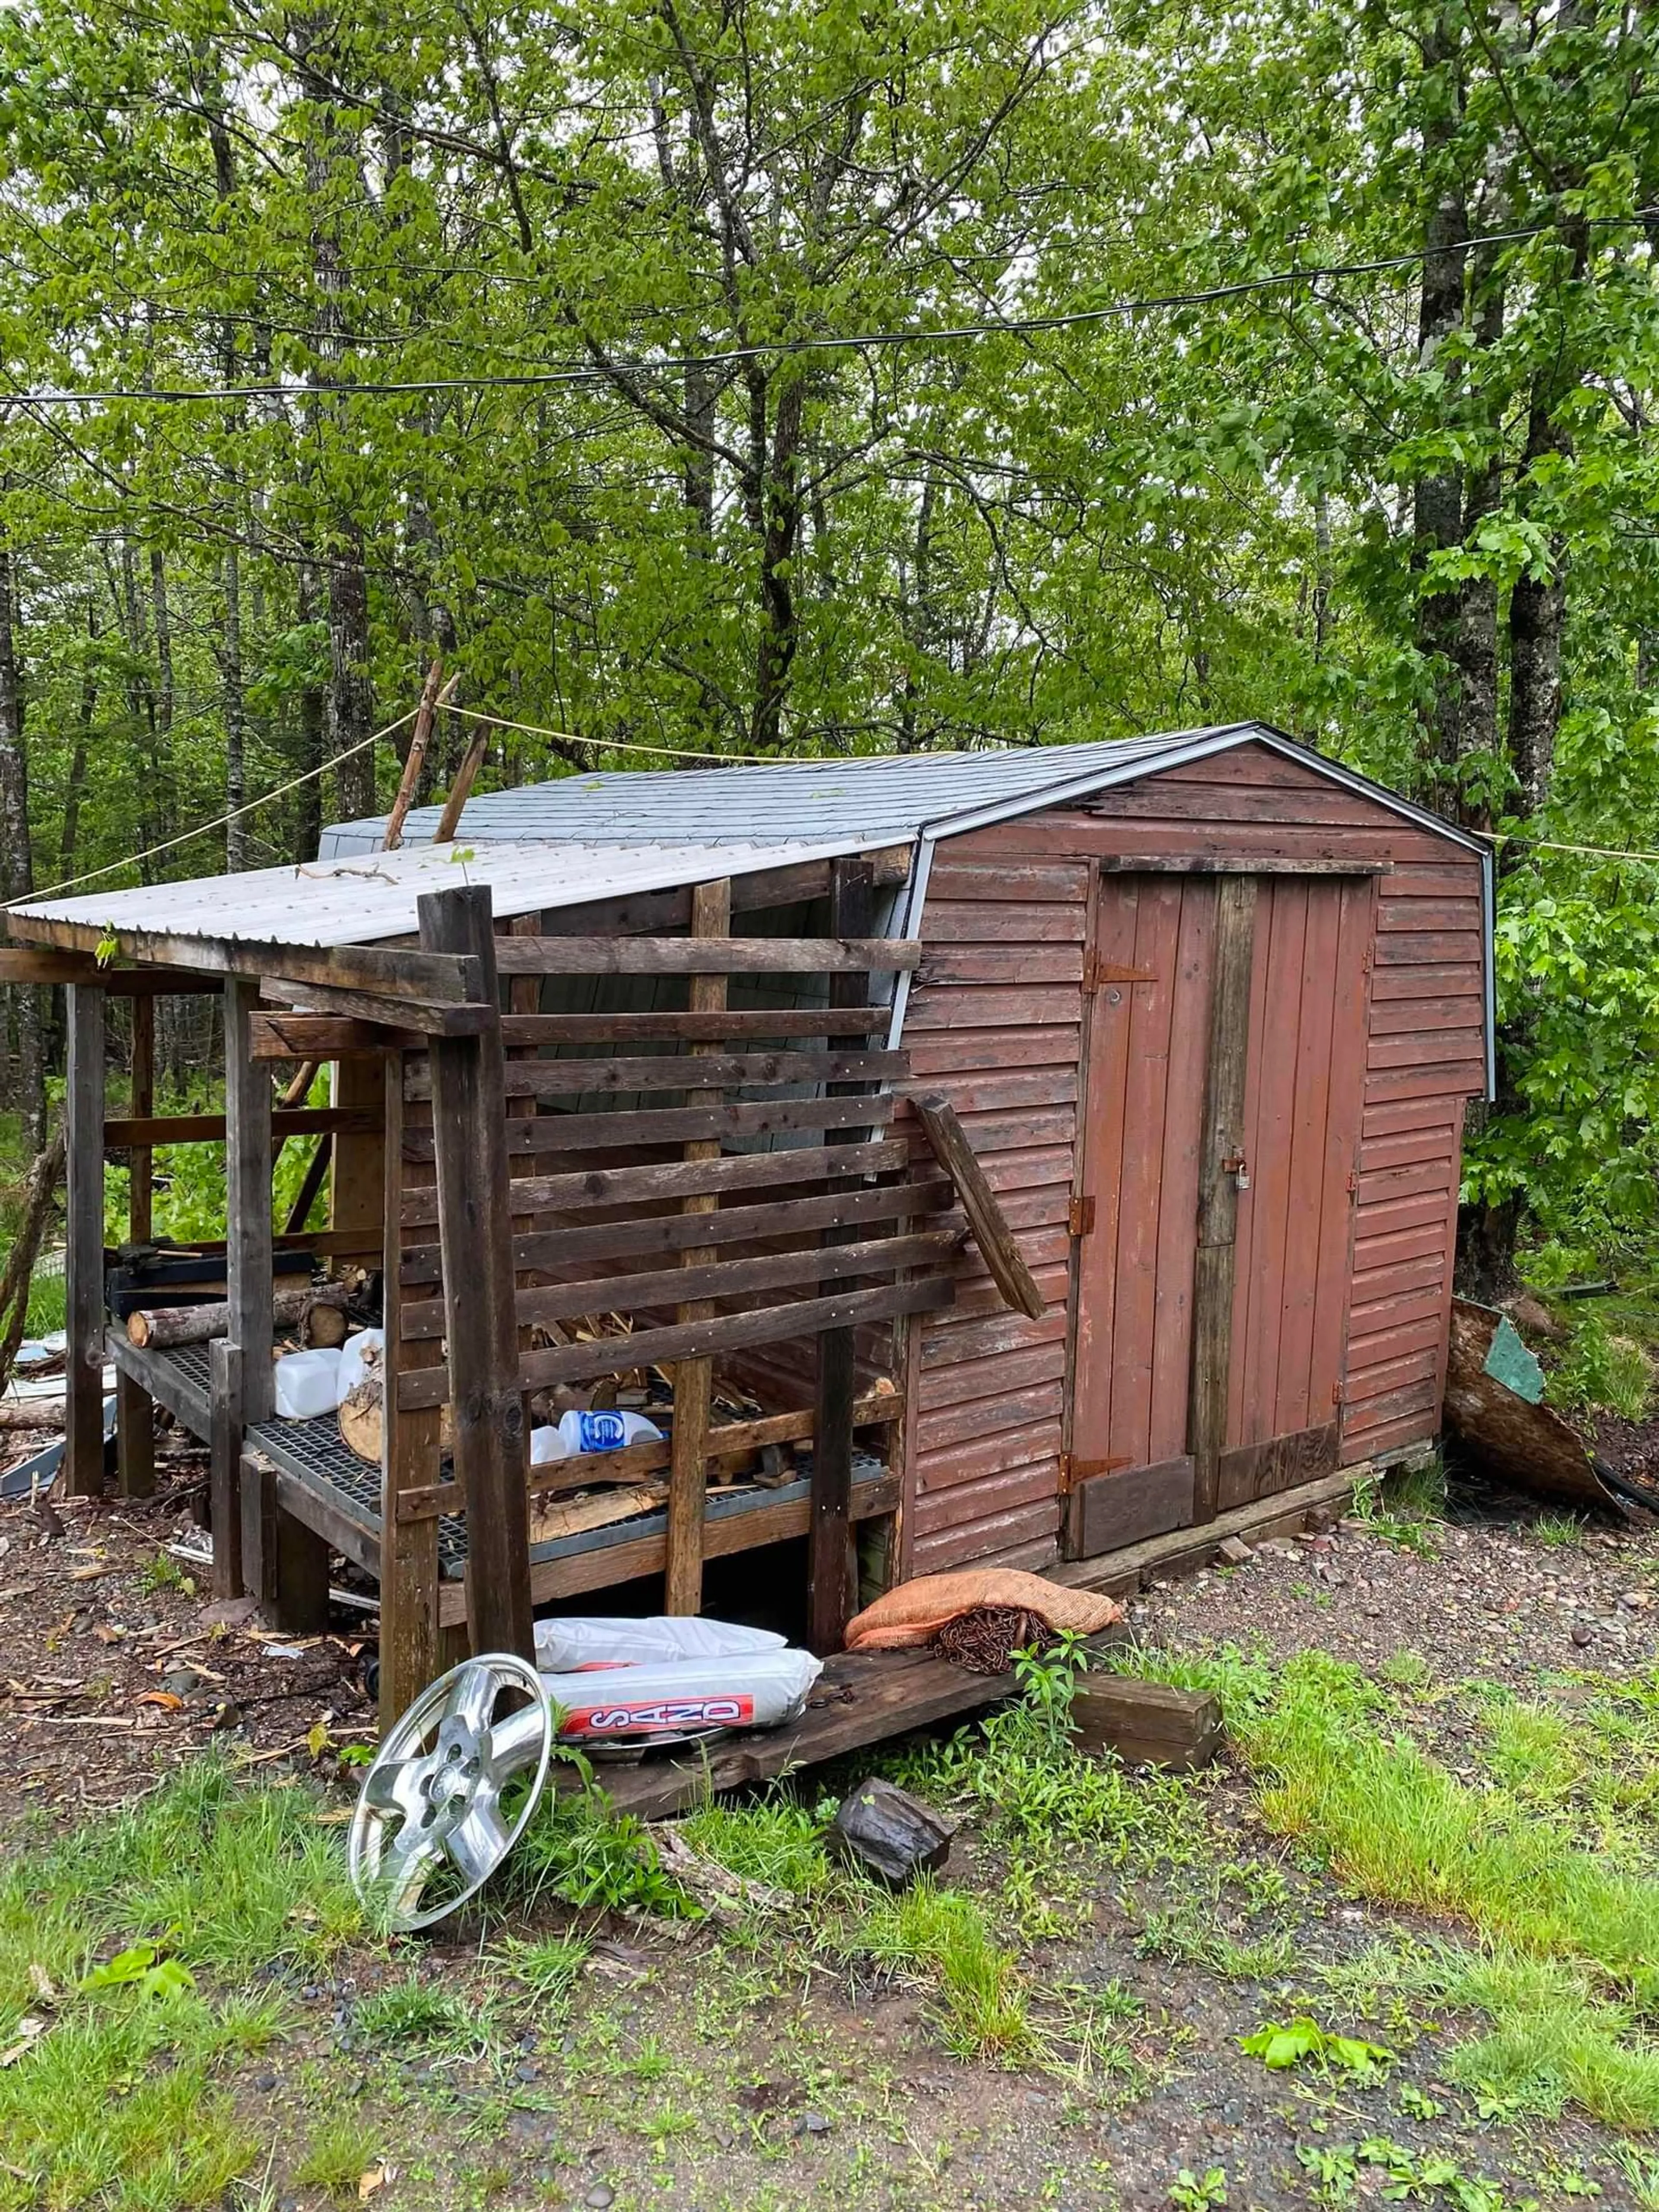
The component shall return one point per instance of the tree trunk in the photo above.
(351, 692)
(16, 862)
(230, 664)
(1437, 499)
(313, 715)
(780, 509)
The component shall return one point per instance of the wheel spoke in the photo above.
(413, 1854)
(395, 1788)
(478, 1844)
(514, 1743)
(473, 1700)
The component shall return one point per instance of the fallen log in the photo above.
(31, 1413)
(1528, 1445)
(160, 1329)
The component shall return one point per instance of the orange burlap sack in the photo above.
(916, 1611)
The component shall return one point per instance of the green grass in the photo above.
(981, 2005)
(1597, 1370)
(774, 1840)
(118, 2104)
(422, 2012)
(1558, 1532)
(341, 2150)
(1569, 1966)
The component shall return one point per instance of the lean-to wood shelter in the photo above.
(1061, 1146)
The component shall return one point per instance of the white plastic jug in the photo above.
(353, 1361)
(607, 1432)
(308, 1383)
(546, 1445)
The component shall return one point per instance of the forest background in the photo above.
(737, 377)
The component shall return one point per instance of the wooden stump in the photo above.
(890, 1834)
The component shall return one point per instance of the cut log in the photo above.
(31, 1413)
(1146, 1724)
(1530, 1446)
(160, 1328)
(570, 1517)
(890, 1833)
(323, 1324)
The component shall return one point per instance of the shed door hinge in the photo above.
(1353, 1181)
(1073, 1469)
(1081, 1219)
(1338, 1396)
(1097, 972)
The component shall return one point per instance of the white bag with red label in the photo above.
(666, 1638)
(604, 1703)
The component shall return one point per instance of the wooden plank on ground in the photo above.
(1146, 1724)
(862, 1698)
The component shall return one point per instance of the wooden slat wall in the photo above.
(996, 1022)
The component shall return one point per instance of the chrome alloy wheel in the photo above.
(430, 1829)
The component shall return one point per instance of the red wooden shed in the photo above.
(1208, 1006)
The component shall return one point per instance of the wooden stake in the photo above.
(409, 782)
(1221, 1156)
(460, 790)
(226, 1397)
(492, 1443)
(688, 1470)
(83, 1264)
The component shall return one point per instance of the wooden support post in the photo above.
(410, 1650)
(248, 1234)
(284, 1564)
(226, 1382)
(135, 1409)
(492, 1443)
(1221, 1157)
(83, 1262)
(831, 1570)
(693, 1379)
(243, 1386)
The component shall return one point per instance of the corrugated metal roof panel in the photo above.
(365, 898)
(885, 798)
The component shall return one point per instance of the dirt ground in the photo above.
(115, 1664)
(697, 2068)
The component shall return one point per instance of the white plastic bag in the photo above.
(354, 1364)
(760, 1689)
(308, 1383)
(607, 1432)
(594, 1640)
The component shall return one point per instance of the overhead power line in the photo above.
(587, 371)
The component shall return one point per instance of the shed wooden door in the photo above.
(1303, 1096)
(1130, 1462)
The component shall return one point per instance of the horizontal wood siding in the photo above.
(995, 1021)
(997, 1027)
